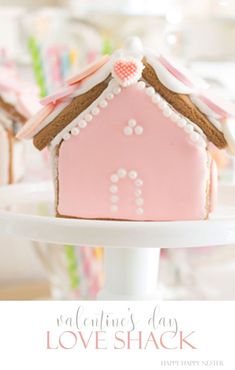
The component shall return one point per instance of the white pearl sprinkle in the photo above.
(114, 178)
(114, 198)
(188, 128)
(88, 117)
(75, 131)
(121, 173)
(162, 104)
(139, 201)
(174, 116)
(150, 91)
(132, 175)
(128, 131)
(103, 104)
(95, 111)
(66, 137)
(139, 211)
(139, 130)
(139, 182)
(114, 208)
(117, 90)
(194, 136)
(132, 122)
(167, 112)
(181, 122)
(82, 124)
(138, 192)
(156, 98)
(110, 96)
(113, 188)
(141, 85)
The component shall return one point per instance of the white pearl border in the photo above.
(194, 132)
(132, 175)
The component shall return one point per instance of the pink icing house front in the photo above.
(132, 162)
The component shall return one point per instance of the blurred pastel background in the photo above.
(49, 40)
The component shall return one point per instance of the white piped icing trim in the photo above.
(87, 114)
(167, 110)
(132, 175)
(166, 78)
(94, 80)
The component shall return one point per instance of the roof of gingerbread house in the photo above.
(18, 99)
(169, 85)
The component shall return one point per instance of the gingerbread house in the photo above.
(129, 139)
(18, 101)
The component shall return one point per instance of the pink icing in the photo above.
(213, 186)
(173, 169)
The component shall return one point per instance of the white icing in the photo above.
(113, 188)
(132, 122)
(166, 78)
(139, 183)
(134, 46)
(4, 157)
(139, 130)
(82, 124)
(114, 178)
(94, 79)
(75, 131)
(121, 173)
(132, 175)
(128, 131)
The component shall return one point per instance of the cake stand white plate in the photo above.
(131, 248)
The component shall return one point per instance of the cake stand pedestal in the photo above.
(131, 248)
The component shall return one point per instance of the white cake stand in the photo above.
(131, 248)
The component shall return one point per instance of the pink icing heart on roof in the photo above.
(60, 94)
(89, 70)
(127, 71)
